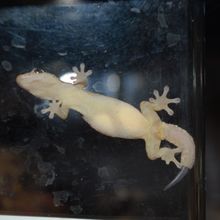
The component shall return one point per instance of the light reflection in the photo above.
(13, 217)
(108, 84)
(70, 77)
(66, 2)
(113, 83)
(133, 82)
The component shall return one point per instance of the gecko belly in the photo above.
(123, 122)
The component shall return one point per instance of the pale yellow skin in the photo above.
(114, 117)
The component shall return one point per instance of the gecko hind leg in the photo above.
(168, 155)
(153, 150)
(161, 102)
(152, 146)
(56, 107)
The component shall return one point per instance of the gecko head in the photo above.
(39, 83)
(36, 78)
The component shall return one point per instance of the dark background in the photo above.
(212, 60)
(98, 176)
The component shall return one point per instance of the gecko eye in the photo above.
(37, 70)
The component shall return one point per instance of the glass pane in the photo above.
(67, 167)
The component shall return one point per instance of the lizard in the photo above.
(114, 117)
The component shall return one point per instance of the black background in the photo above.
(212, 105)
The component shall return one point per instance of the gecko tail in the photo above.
(178, 178)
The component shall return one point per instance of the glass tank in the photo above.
(101, 108)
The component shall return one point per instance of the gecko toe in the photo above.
(156, 93)
(165, 90)
(175, 100)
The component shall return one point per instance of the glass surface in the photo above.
(64, 167)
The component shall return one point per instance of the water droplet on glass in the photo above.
(136, 10)
(6, 65)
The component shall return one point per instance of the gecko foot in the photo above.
(81, 75)
(54, 108)
(168, 155)
(161, 102)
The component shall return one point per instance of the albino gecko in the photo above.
(115, 118)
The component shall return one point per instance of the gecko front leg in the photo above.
(81, 78)
(78, 78)
(56, 107)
